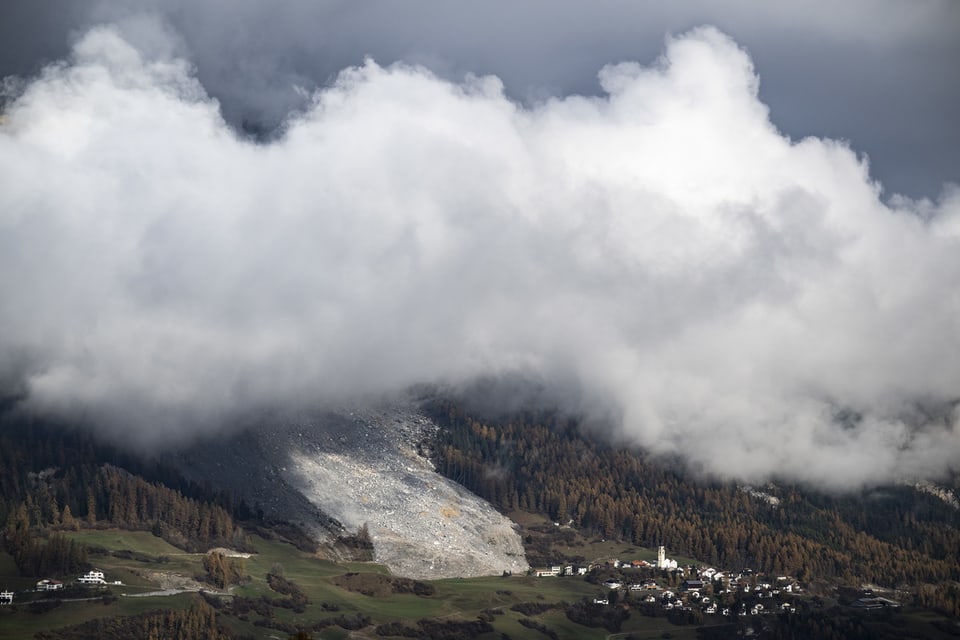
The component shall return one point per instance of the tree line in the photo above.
(546, 464)
(55, 479)
(199, 622)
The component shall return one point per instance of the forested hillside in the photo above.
(55, 478)
(546, 465)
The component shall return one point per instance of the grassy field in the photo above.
(139, 559)
(117, 540)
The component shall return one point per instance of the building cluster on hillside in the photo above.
(557, 570)
(701, 587)
(93, 577)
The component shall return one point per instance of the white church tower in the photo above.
(661, 557)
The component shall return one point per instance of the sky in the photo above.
(727, 232)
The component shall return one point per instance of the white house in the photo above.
(6, 597)
(92, 577)
(49, 585)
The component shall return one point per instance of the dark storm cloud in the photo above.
(880, 74)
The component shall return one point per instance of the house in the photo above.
(711, 609)
(692, 585)
(581, 571)
(92, 577)
(49, 585)
(612, 584)
(635, 587)
(876, 603)
(6, 597)
(602, 601)
(649, 599)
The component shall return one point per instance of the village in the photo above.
(667, 586)
(94, 577)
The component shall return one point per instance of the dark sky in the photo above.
(881, 74)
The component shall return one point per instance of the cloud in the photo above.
(737, 298)
(879, 73)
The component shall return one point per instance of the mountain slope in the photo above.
(338, 471)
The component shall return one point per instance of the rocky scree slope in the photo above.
(333, 472)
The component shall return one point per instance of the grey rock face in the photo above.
(362, 467)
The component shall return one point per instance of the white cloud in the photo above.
(728, 290)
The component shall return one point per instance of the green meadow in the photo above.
(142, 562)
